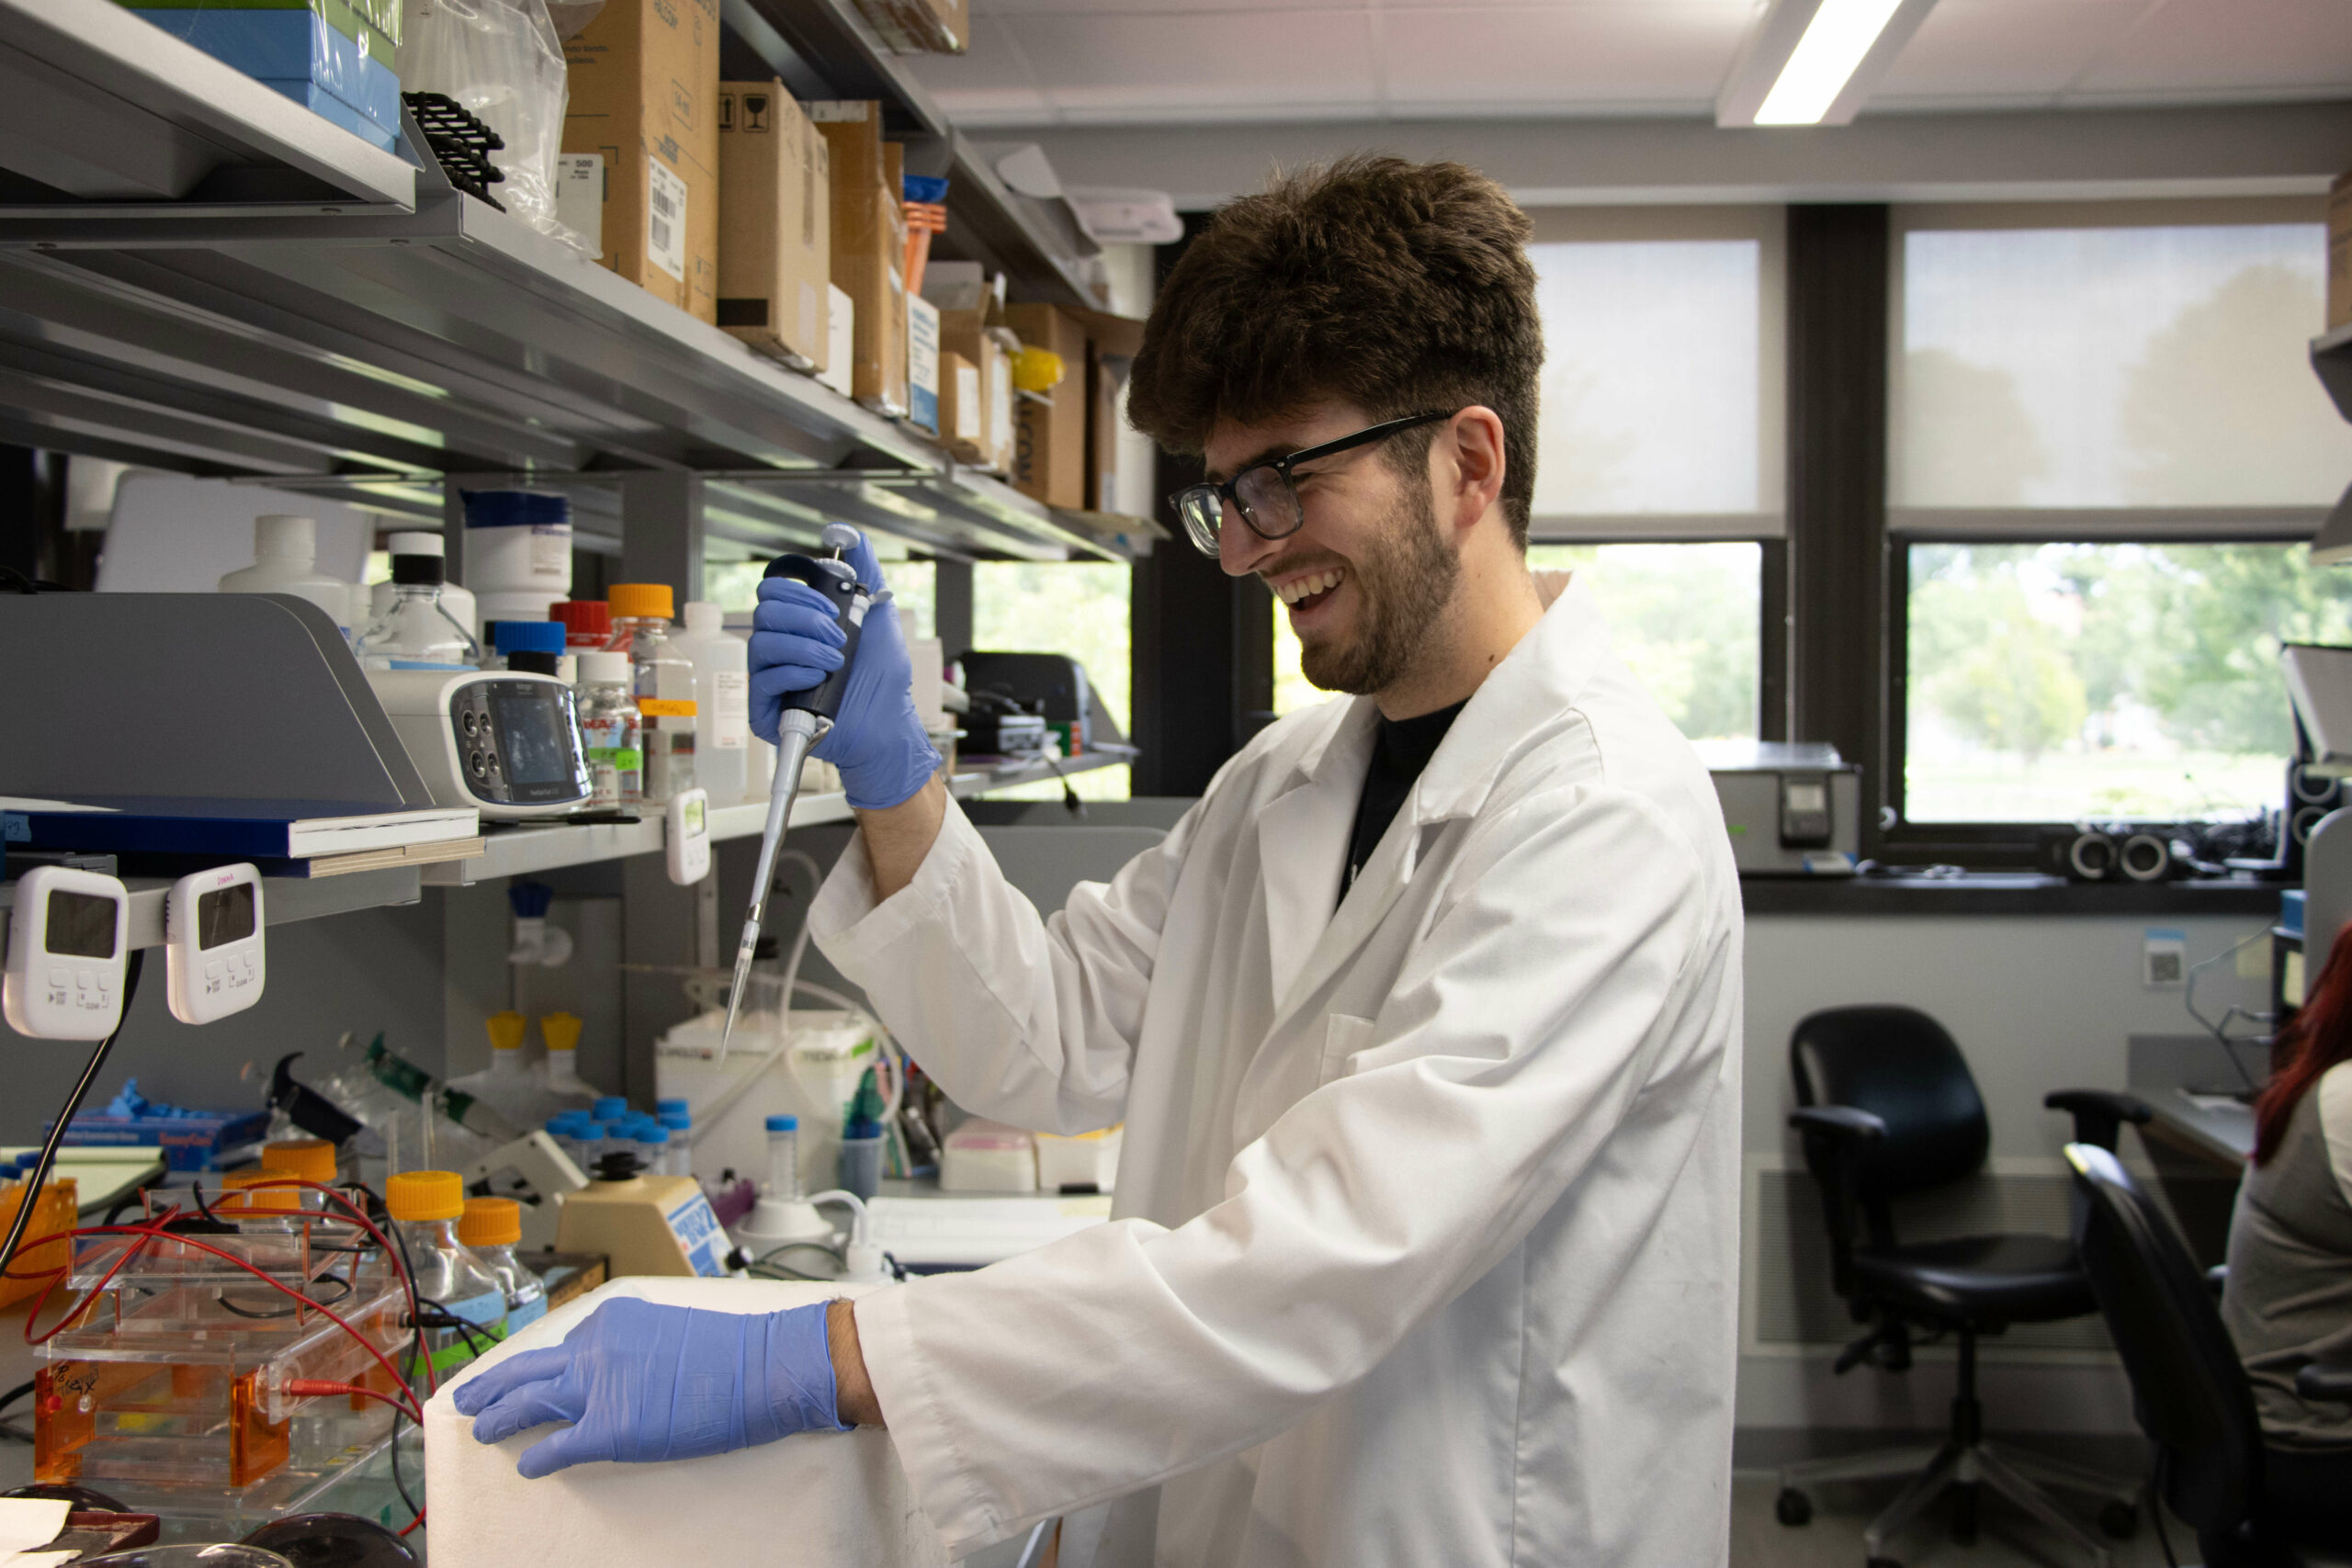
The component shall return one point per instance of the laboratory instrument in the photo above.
(722, 701)
(213, 954)
(1791, 810)
(417, 630)
(612, 731)
(841, 1503)
(69, 942)
(286, 560)
(209, 1379)
(664, 680)
(493, 1226)
(425, 1206)
(687, 841)
(805, 717)
(643, 1224)
(507, 743)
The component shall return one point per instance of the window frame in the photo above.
(2013, 844)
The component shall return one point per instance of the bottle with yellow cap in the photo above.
(561, 1032)
(508, 1086)
(427, 1206)
(305, 1160)
(493, 1226)
(664, 677)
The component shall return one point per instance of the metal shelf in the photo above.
(522, 849)
(285, 899)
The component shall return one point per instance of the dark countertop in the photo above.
(2004, 893)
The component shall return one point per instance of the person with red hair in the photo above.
(2288, 1300)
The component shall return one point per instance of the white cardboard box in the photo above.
(820, 1500)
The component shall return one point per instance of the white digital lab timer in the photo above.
(69, 939)
(212, 943)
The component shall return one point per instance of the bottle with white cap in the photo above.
(455, 599)
(722, 701)
(286, 560)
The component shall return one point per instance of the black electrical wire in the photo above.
(39, 1172)
(14, 1394)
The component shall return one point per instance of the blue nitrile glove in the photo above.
(640, 1383)
(876, 741)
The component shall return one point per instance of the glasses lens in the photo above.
(1268, 502)
(1201, 508)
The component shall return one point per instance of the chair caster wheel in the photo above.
(1792, 1507)
(2120, 1520)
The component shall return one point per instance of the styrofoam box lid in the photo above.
(839, 1500)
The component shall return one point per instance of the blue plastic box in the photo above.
(300, 54)
(190, 1142)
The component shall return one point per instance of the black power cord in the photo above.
(39, 1172)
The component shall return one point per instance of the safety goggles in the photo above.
(1265, 495)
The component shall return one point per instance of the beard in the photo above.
(1403, 585)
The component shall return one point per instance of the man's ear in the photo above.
(1474, 443)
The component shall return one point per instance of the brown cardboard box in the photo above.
(974, 336)
(963, 409)
(775, 223)
(1106, 377)
(869, 249)
(2339, 252)
(644, 89)
(920, 26)
(1049, 460)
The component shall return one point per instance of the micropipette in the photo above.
(806, 715)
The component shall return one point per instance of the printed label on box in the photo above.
(579, 194)
(967, 404)
(700, 1237)
(666, 220)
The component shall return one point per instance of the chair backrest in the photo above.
(2187, 1386)
(1900, 1066)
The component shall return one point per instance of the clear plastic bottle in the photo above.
(611, 731)
(427, 1206)
(665, 680)
(561, 1032)
(508, 1086)
(722, 701)
(492, 1227)
(653, 1142)
(784, 1159)
(286, 560)
(678, 1122)
(455, 599)
(417, 632)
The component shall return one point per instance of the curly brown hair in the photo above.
(1397, 287)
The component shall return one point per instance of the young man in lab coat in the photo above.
(1424, 1023)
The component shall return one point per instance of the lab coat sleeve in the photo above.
(1028, 1020)
(1576, 967)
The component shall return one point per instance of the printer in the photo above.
(1792, 811)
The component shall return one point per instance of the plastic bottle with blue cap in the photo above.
(532, 647)
(518, 551)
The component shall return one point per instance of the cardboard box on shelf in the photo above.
(920, 27)
(869, 244)
(979, 338)
(2339, 252)
(922, 363)
(1106, 380)
(644, 88)
(775, 224)
(963, 412)
(1049, 458)
(841, 336)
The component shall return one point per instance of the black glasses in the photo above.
(1265, 493)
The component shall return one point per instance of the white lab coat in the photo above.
(1425, 1246)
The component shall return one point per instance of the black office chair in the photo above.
(1889, 1108)
(2188, 1388)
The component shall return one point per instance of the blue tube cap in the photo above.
(663, 1107)
(784, 1124)
(609, 1106)
(526, 636)
(677, 1121)
(656, 1135)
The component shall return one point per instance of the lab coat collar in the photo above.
(1526, 700)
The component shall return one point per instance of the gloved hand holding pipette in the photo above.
(877, 740)
(641, 1382)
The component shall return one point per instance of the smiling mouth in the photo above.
(1309, 593)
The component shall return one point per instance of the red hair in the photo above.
(2319, 1036)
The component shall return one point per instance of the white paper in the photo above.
(29, 1522)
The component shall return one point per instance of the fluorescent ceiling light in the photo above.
(1841, 33)
(1815, 62)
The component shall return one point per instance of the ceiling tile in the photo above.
(1273, 63)
(2206, 46)
(2004, 48)
(1568, 56)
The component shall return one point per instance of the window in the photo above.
(1080, 608)
(2105, 440)
(1658, 446)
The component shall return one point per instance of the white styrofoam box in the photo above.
(822, 1498)
(981, 1155)
(1090, 1159)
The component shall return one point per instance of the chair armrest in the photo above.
(1843, 1122)
(2317, 1380)
(2215, 1277)
(2099, 1113)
